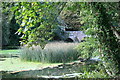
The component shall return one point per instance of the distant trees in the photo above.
(71, 18)
(9, 26)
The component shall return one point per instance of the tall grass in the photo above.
(54, 52)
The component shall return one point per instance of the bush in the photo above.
(53, 53)
(94, 74)
(88, 48)
(93, 71)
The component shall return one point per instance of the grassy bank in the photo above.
(15, 64)
(13, 51)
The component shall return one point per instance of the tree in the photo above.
(107, 38)
(9, 26)
(71, 18)
(37, 21)
(99, 20)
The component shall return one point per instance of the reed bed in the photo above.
(54, 52)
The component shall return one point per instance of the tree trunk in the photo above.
(108, 41)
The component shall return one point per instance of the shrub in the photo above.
(93, 71)
(53, 52)
(94, 74)
(88, 48)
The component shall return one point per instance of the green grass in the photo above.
(15, 64)
(55, 52)
(13, 51)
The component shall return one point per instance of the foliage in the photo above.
(9, 26)
(89, 48)
(98, 19)
(37, 21)
(94, 74)
(71, 18)
(108, 40)
(54, 52)
(59, 33)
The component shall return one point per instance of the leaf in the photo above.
(14, 8)
(20, 30)
(17, 13)
(23, 24)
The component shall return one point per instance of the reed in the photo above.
(54, 52)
